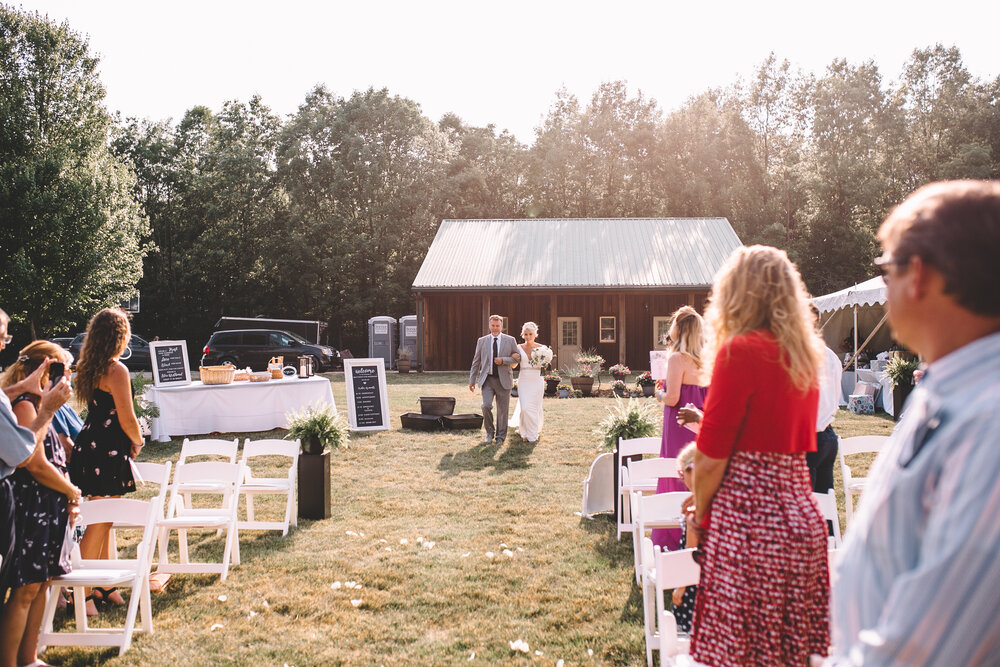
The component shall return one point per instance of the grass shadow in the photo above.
(482, 457)
(632, 609)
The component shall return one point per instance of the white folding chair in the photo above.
(598, 494)
(674, 569)
(658, 510)
(640, 476)
(628, 448)
(256, 486)
(220, 516)
(206, 449)
(132, 572)
(855, 486)
(828, 507)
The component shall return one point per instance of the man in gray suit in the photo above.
(493, 370)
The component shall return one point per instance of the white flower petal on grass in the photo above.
(351, 533)
(590, 652)
(336, 585)
(519, 549)
(519, 645)
(489, 554)
(508, 553)
(356, 603)
(349, 584)
(503, 546)
(466, 554)
(216, 626)
(404, 541)
(266, 604)
(251, 614)
(429, 545)
(420, 540)
(382, 540)
(537, 652)
(472, 656)
(361, 534)
(222, 598)
(388, 548)
(559, 662)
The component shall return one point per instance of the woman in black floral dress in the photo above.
(42, 502)
(102, 454)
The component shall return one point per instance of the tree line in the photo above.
(328, 213)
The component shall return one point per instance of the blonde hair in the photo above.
(760, 288)
(28, 360)
(690, 334)
(107, 337)
(686, 455)
(529, 326)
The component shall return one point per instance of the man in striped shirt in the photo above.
(918, 581)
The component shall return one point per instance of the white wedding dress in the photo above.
(528, 416)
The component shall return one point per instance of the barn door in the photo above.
(569, 341)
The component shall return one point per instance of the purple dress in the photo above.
(674, 440)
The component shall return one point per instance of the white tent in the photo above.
(860, 307)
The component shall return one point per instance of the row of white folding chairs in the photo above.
(635, 475)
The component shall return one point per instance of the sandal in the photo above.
(71, 606)
(105, 595)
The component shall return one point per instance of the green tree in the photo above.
(71, 235)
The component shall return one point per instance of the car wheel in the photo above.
(228, 360)
(317, 366)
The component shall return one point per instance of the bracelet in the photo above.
(73, 501)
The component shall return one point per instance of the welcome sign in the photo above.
(367, 398)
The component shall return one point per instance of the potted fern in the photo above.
(318, 428)
(628, 419)
(900, 371)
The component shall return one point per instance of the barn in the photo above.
(607, 284)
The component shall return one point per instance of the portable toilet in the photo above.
(408, 336)
(382, 339)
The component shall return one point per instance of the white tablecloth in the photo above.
(236, 407)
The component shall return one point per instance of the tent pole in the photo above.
(855, 338)
(864, 344)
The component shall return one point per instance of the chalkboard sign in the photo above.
(367, 399)
(170, 363)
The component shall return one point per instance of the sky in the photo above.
(492, 62)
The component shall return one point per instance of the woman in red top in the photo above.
(763, 596)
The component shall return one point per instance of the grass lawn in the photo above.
(567, 587)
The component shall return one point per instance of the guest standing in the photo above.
(684, 385)
(763, 596)
(101, 464)
(42, 507)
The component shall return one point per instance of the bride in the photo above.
(528, 417)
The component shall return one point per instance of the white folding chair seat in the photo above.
(213, 449)
(257, 486)
(674, 569)
(828, 507)
(855, 486)
(132, 572)
(221, 517)
(658, 510)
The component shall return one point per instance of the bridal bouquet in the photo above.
(541, 356)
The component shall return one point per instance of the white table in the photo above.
(241, 406)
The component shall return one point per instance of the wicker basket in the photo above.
(217, 374)
(260, 376)
(274, 366)
(241, 376)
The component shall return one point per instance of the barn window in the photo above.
(661, 327)
(607, 329)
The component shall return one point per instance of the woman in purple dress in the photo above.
(685, 384)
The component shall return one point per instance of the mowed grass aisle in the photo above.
(415, 516)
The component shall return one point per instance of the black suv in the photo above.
(136, 358)
(255, 347)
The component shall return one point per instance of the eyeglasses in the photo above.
(887, 260)
(7, 339)
(688, 468)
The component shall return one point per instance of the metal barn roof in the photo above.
(576, 253)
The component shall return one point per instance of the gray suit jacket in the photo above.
(482, 363)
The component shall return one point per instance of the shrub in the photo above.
(631, 419)
(318, 426)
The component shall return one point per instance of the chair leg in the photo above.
(133, 608)
(848, 506)
(250, 514)
(182, 545)
(162, 545)
(146, 607)
(80, 608)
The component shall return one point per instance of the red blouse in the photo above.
(752, 405)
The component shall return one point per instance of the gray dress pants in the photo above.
(493, 390)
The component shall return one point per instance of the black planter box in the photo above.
(420, 422)
(437, 405)
(314, 486)
(471, 421)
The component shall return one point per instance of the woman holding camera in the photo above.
(101, 464)
(43, 500)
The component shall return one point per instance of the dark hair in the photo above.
(953, 226)
(107, 337)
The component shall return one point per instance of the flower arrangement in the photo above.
(562, 386)
(645, 379)
(316, 427)
(618, 385)
(541, 356)
(589, 364)
(551, 377)
(619, 369)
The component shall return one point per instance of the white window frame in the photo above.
(601, 329)
(657, 345)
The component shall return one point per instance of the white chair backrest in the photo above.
(226, 449)
(661, 506)
(651, 469)
(861, 443)
(828, 507)
(214, 471)
(675, 569)
(154, 473)
(634, 446)
(598, 491)
(124, 512)
(252, 448)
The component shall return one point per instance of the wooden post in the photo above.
(621, 329)
(420, 331)
(553, 323)
(486, 314)
(314, 485)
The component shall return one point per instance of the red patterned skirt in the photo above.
(763, 597)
